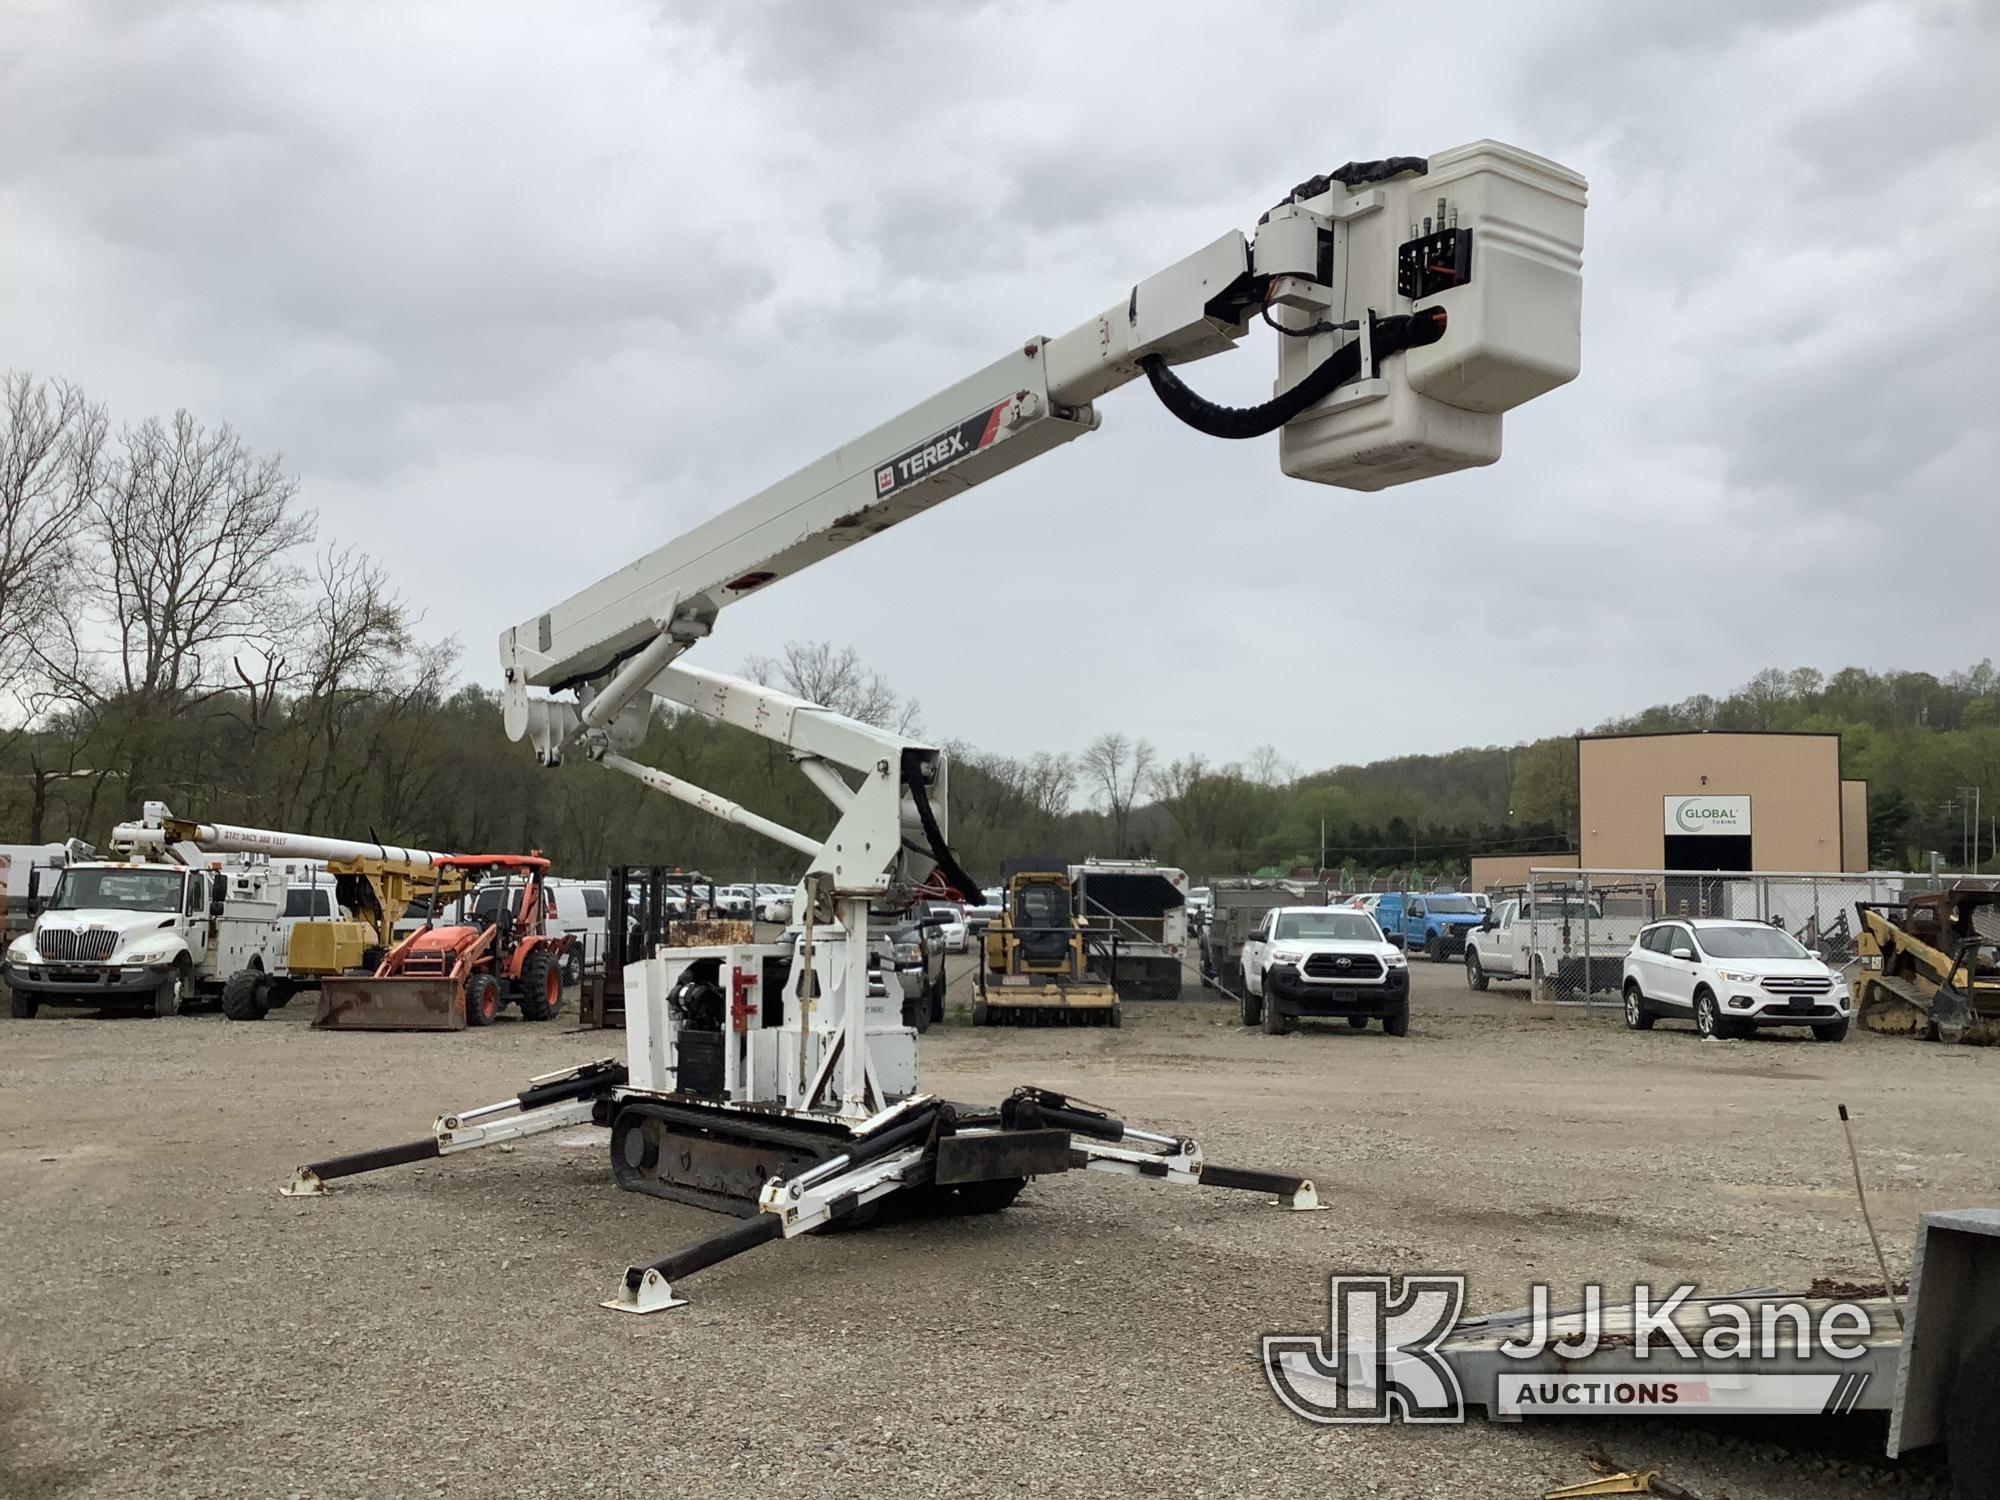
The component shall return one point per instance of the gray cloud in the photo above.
(596, 276)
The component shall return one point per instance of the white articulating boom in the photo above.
(1415, 300)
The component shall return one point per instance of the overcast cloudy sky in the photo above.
(521, 291)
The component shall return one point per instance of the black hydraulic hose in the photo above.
(966, 888)
(1391, 335)
(597, 1078)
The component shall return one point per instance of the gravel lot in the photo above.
(174, 1327)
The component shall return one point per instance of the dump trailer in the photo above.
(448, 975)
(1239, 908)
(1136, 913)
(1033, 969)
(1934, 965)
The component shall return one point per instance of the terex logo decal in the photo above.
(941, 451)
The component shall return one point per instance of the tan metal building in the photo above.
(1718, 800)
(1490, 870)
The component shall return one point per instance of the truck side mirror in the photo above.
(1488, 922)
(218, 896)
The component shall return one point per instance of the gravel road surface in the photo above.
(174, 1327)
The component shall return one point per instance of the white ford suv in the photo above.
(1732, 978)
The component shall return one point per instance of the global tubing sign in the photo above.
(1708, 816)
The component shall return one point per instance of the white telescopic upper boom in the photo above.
(159, 829)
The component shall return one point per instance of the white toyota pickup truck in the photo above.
(1320, 962)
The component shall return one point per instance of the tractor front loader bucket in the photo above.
(403, 1002)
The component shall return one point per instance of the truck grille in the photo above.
(1343, 966)
(64, 946)
(1802, 985)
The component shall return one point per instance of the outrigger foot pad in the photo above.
(651, 1293)
(305, 1183)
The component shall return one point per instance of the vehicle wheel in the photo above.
(541, 986)
(1537, 974)
(1832, 1031)
(278, 994)
(1475, 975)
(979, 1013)
(172, 994)
(1397, 1022)
(916, 1014)
(1357, 1023)
(937, 1002)
(1637, 1016)
(1275, 1022)
(1707, 1015)
(1971, 1436)
(371, 958)
(482, 999)
(243, 996)
(1434, 948)
(572, 969)
(22, 1007)
(1117, 1015)
(1249, 1009)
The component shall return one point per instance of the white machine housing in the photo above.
(766, 1032)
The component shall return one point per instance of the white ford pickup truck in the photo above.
(1556, 939)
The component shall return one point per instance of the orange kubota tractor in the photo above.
(446, 975)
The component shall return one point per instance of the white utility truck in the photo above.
(1413, 300)
(158, 935)
(1561, 941)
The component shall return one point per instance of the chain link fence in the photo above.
(1566, 933)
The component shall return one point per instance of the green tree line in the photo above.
(171, 629)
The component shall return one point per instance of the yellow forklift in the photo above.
(1032, 970)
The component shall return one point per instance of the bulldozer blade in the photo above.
(403, 1003)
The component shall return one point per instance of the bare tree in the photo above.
(1267, 767)
(1116, 768)
(197, 533)
(51, 456)
(834, 677)
(357, 644)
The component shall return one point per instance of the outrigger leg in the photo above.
(549, 1102)
(925, 1144)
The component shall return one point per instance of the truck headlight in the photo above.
(1395, 960)
(149, 953)
(1731, 976)
(1287, 956)
(22, 950)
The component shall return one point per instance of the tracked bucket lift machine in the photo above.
(1414, 301)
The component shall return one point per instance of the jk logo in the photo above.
(1380, 1362)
